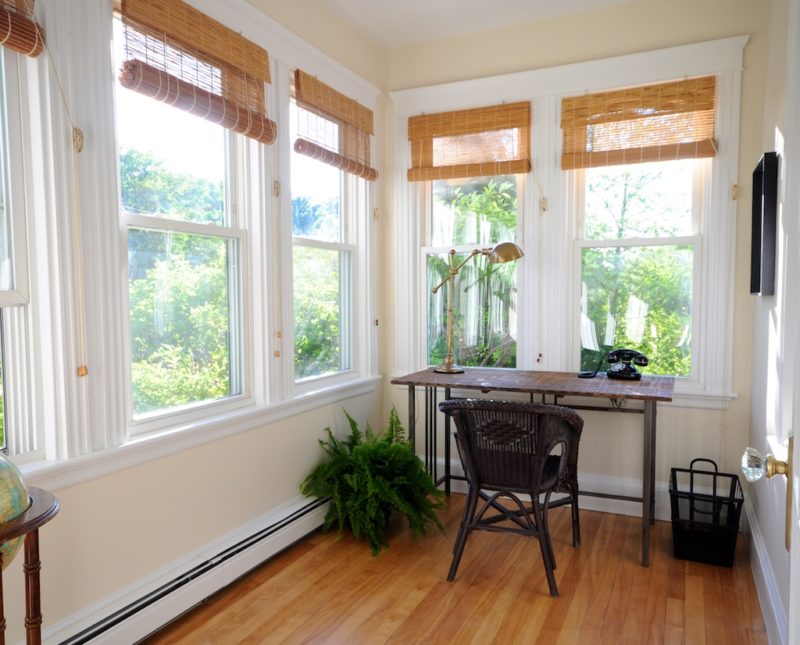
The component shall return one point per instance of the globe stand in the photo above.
(44, 507)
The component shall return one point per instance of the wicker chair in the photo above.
(510, 449)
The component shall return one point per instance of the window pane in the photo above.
(639, 200)
(172, 164)
(316, 186)
(484, 313)
(180, 318)
(318, 311)
(639, 298)
(474, 211)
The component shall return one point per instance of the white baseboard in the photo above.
(151, 602)
(769, 596)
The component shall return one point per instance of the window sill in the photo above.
(54, 475)
(705, 400)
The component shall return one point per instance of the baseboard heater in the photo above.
(98, 629)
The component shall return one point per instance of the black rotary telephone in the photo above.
(621, 367)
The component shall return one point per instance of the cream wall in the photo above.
(611, 446)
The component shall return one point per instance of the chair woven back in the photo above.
(505, 444)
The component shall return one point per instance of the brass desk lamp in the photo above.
(501, 253)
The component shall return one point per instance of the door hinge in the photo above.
(375, 214)
(276, 188)
(734, 192)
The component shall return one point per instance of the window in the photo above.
(184, 249)
(639, 155)
(469, 160)
(469, 214)
(321, 256)
(638, 243)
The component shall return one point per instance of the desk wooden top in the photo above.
(651, 388)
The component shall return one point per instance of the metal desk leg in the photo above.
(647, 481)
(412, 416)
(447, 446)
(430, 430)
(650, 420)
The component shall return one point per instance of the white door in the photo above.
(792, 160)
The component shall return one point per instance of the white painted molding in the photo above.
(54, 475)
(172, 605)
(769, 596)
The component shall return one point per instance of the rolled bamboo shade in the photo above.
(479, 142)
(650, 123)
(186, 59)
(332, 127)
(18, 29)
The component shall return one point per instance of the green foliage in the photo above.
(367, 477)
(634, 204)
(317, 330)
(178, 289)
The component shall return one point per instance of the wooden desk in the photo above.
(44, 507)
(556, 385)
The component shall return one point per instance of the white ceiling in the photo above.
(397, 23)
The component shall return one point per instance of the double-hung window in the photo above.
(470, 166)
(184, 249)
(639, 158)
(179, 187)
(330, 166)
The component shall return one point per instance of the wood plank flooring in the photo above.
(324, 590)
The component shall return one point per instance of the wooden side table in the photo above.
(44, 507)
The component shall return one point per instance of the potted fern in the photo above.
(368, 476)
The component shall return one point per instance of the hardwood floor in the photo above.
(325, 590)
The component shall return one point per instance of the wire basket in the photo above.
(706, 506)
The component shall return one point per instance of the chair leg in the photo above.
(576, 518)
(463, 532)
(546, 548)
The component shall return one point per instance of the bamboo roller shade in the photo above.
(159, 85)
(315, 95)
(332, 127)
(190, 29)
(658, 122)
(18, 30)
(192, 62)
(478, 142)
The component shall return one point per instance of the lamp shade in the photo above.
(505, 252)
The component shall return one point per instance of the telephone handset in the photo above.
(621, 366)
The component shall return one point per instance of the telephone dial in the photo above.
(623, 365)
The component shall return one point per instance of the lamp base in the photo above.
(442, 369)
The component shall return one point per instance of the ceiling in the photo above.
(398, 23)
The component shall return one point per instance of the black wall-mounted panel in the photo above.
(765, 208)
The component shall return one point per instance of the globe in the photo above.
(14, 501)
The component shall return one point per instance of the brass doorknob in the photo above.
(756, 466)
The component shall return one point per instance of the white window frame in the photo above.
(547, 302)
(16, 186)
(700, 198)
